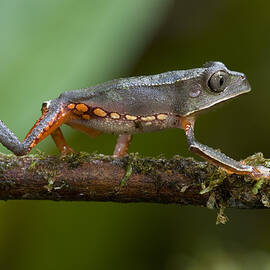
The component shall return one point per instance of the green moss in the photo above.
(257, 159)
(139, 164)
(49, 187)
(221, 217)
(183, 189)
(215, 178)
(8, 162)
(127, 175)
(33, 165)
(265, 200)
(211, 203)
(74, 160)
(257, 186)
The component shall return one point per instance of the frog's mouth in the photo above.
(221, 100)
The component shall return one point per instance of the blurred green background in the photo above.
(47, 47)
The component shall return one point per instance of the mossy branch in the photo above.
(85, 177)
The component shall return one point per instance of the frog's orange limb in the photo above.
(57, 134)
(60, 142)
(53, 117)
(59, 118)
(122, 145)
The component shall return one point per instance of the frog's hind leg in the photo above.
(60, 142)
(51, 119)
(57, 134)
(122, 145)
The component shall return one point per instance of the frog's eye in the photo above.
(218, 81)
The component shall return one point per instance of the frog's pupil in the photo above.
(221, 81)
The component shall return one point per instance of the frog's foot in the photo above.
(258, 172)
(122, 145)
(67, 150)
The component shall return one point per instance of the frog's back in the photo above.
(142, 95)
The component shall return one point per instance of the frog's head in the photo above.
(213, 84)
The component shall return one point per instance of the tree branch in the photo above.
(85, 177)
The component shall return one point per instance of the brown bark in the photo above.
(84, 177)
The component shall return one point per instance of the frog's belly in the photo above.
(108, 125)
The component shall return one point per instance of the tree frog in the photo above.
(140, 104)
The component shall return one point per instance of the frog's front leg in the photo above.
(122, 145)
(226, 163)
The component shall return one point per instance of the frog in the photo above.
(132, 105)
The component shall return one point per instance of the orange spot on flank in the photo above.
(148, 118)
(161, 116)
(131, 117)
(99, 112)
(114, 115)
(82, 107)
